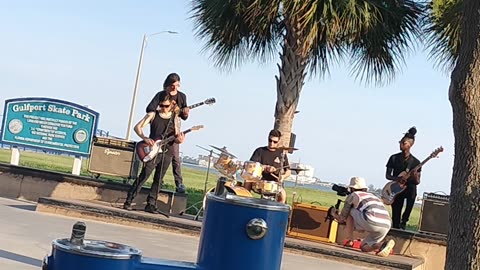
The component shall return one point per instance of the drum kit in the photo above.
(251, 173)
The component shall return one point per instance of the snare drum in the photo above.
(252, 171)
(226, 165)
(267, 187)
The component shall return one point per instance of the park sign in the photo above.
(49, 124)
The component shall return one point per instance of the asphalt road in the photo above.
(26, 236)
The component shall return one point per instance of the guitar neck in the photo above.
(171, 138)
(419, 165)
(196, 105)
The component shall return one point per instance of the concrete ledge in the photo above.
(102, 212)
(32, 184)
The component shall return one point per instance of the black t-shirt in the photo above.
(161, 128)
(398, 163)
(180, 98)
(272, 158)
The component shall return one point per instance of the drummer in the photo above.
(271, 157)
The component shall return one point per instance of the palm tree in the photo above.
(311, 35)
(453, 27)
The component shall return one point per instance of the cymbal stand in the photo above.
(200, 210)
(208, 172)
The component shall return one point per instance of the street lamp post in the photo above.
(137, 80)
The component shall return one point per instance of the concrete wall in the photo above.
(431, 248)
(31, 184)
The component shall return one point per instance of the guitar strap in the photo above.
(408, 164)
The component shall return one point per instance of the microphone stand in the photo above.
(281, 171)
(208, 168)
(206, 178)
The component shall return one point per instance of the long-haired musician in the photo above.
(162, 126)
(398, 163)
(171, 85)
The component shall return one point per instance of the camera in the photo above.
(341, 190)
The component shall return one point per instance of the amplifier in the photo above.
(113, 157)
(307, 221)
(434, 214)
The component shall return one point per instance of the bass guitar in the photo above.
(393, 188)
(146, 152)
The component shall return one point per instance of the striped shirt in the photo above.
(372, 208)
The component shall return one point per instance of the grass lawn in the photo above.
(194, 180)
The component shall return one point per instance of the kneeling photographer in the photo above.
(364, 212)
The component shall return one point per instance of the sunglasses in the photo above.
(272, 141)
(164, 106)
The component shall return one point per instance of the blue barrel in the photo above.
(240, 233)
(92, 254)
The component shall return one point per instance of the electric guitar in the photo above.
(208, 101)
(393, 188)
(146, 152)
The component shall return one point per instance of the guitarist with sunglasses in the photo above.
(171, 85)
(397, 165)
(162, 125)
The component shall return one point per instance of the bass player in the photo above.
(162, 126)
(398, 163)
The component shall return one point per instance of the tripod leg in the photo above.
(198, 213)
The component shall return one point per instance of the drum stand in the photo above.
(200, 210)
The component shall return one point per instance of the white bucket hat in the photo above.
(357, 183)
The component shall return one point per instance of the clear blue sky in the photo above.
(87, 52)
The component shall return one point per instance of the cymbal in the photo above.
(286, 148)
(223, 150)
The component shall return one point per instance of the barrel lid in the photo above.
(250, 202)
(97, 248)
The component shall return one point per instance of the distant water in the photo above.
(287, 183)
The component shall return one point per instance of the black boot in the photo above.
(127, 205)
(180, 188)
(150, 208)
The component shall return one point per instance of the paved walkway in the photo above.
(26, 238)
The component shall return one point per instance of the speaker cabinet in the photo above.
(434, 214)
(113, 157)
(307, 221)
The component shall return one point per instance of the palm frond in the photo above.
(378, 48)
(238, 30)
(373, 34)
(442, 27)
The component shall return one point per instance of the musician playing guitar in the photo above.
(171, 85)
(162, 126)
(398, 169)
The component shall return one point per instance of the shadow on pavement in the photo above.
(27, 207)
(20, 258)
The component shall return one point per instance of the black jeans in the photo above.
(160, 165)
(176, 165)
(410, 193)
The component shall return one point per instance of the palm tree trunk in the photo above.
(289, 83)
(463, 249)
